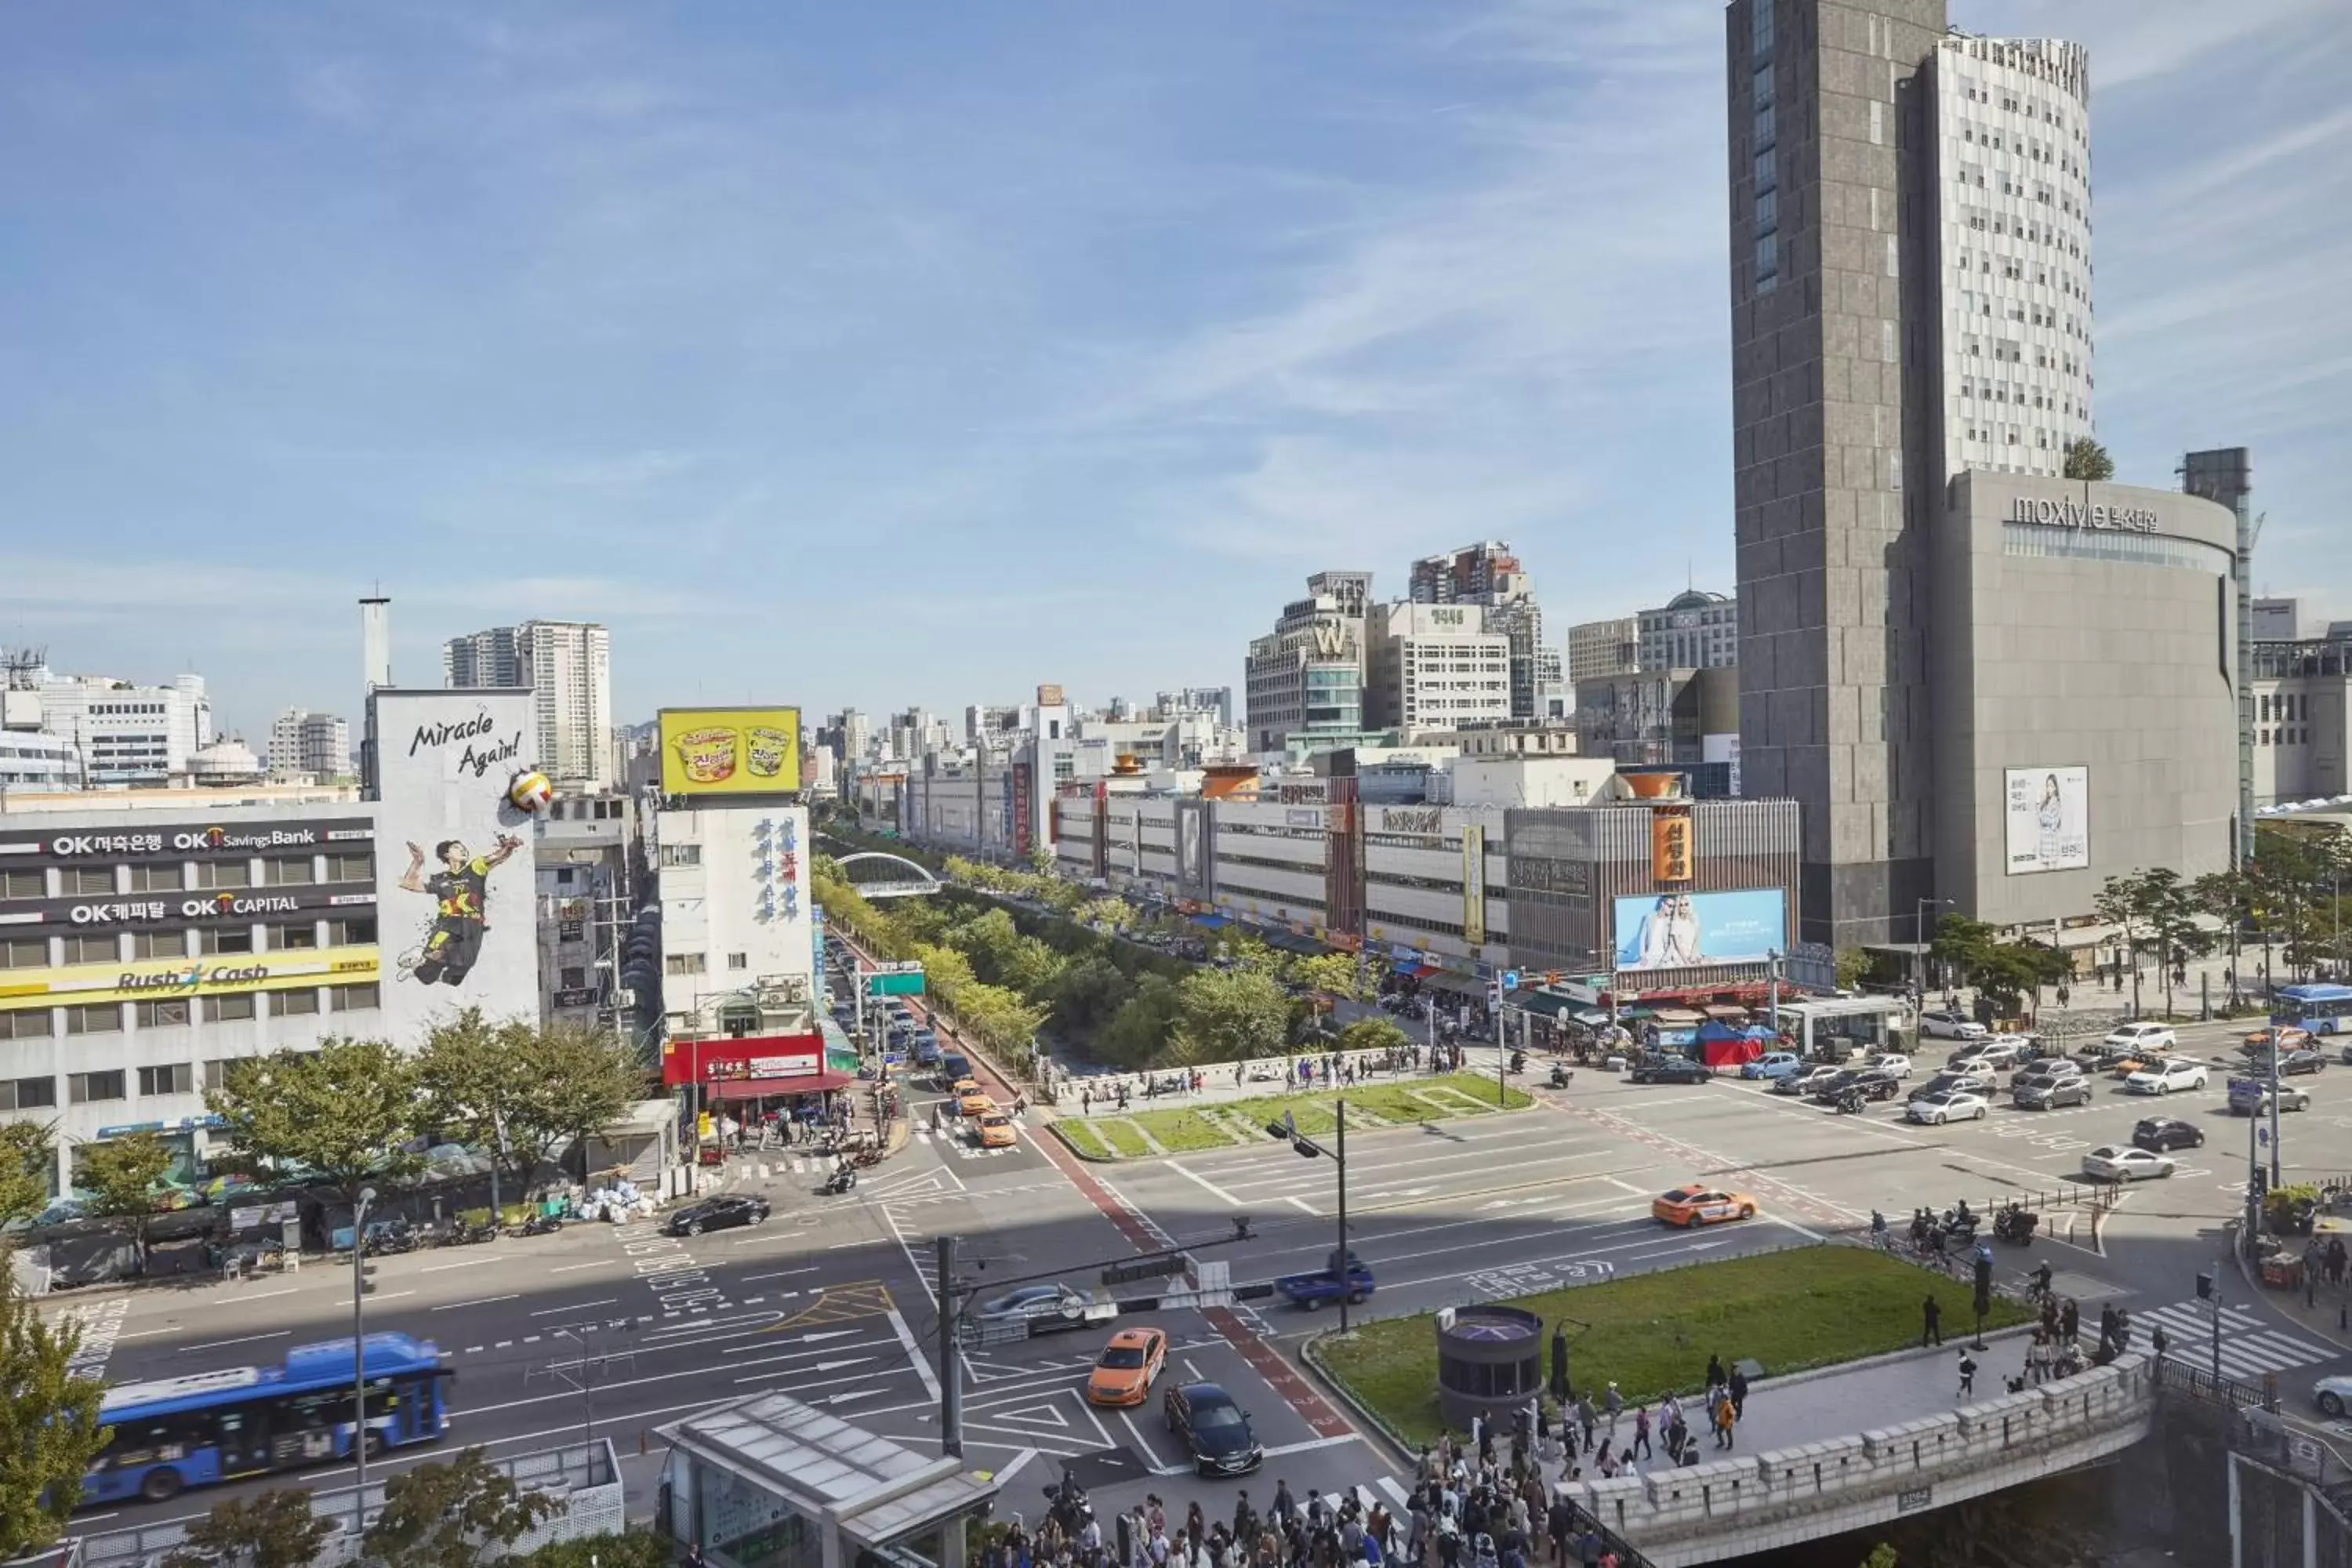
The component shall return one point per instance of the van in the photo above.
(927, 1049)
(954, 1066)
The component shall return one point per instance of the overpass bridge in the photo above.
(900, 878)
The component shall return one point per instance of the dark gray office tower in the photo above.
(1836, 463)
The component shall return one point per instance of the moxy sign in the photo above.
(2054, 513)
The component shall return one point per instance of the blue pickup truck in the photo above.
(1330, 1283)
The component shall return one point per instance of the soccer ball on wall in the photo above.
(531, 791)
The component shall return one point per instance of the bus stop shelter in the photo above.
(769, 1482)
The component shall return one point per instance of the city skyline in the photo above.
(1331, 330)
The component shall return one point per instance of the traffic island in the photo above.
(1792, 1310)
(1135, 1134)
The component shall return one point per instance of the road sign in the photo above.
(895, 966)
(1510, 980)
(895, 984)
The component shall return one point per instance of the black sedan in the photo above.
(2164, 1133)
(716, 1213)
(1869, 1083)
(2295, 1062)
(1214, 1429)
(1669, 1069)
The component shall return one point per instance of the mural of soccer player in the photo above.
(461, 894)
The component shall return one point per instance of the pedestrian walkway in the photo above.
(2250, 1346)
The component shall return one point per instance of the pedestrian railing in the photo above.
(2181, 1377)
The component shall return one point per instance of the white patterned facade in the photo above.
(2013, 152)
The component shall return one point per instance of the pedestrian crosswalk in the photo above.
(2250, 1346)
(955, 1142)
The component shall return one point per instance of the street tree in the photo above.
(2168, 908)
(2116, 903)
(341, 1112)
(50, 1426)
(1139, 1033)
(445, 1515)
(1107, 914)
(122, 1176)
(1336, 975)
(1853, 967)
(1233, 1015)
(2223, 895)
(630, 1549)
(1374, 1035)
(27, 1158)
(1090, 994)
(2086, 459)
(275, 1530)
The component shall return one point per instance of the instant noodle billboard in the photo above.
(730, 751)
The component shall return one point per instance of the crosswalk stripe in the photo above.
(2250, 1347)
(1395, 1489)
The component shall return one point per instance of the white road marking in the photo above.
(479, 1301)
(1311, 1444)
(577, 1307)
(779, 1274)
(250, 1339)
(1303, 1203)
(593, 1263)
(1203, 1183)
(464, 1263)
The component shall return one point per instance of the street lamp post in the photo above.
(1308, 1148)
(359, 1343)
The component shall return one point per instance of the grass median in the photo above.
(1651, 1333)
(1222, 1124)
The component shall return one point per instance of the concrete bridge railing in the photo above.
(1704, 1513)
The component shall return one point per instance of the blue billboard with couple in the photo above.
(1687, 930)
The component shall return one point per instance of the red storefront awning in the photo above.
(731, 1090)
(745, 1060)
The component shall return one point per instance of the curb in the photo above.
(1310, 1355)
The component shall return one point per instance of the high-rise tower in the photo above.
(1894, 322)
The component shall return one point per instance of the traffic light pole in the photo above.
(951, 1371)
(1340, 1115)
(359, 1345)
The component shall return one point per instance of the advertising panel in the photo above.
(455, 876)
(2048, 813)
(196, 840)
(1473, 884)
(170, 979)
(736, 1061)
(1670, 844)
(1691, 931)
(135, 911)
(1194, 856)
(1021, 808)
(730, 751)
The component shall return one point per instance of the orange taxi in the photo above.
(996, 1130)
(971, 1099)
(1127, 1367)
(1693, 1206)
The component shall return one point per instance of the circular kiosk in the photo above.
(1489, 1362)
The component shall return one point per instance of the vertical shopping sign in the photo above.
(1473, 884)
(1670, 844)
(1022, 809)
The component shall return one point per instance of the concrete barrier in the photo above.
(1730, 1506)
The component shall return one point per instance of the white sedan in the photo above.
(2163, 1077)
(1951, 1105)
(2121, 1162)
(1950, 1026)
(1894, 1065)
(2142, 1037)
(2332, 1394)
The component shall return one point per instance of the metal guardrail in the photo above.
(2183, 1378)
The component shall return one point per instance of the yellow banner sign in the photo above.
(1670, 844)
(165, 978)
(730, 751)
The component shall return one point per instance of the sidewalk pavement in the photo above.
(2324, 1309)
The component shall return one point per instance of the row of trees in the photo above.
(1003, 977)
(2287, 902)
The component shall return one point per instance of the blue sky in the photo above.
(919, 353)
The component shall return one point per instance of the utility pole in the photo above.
(949, 1368)
(1308, 1148)
(359, 1288)
(2275, 1099)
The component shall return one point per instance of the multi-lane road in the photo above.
(831, 1298)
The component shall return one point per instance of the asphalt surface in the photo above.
(830, 1299)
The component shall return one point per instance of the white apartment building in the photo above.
(317, 744)
(127, 734)
(568, 665)
(1434, 667)
(2013, 155)
(734, 901)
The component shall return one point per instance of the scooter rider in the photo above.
(2042, 1279)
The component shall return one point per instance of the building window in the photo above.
(227, 1009)
(159, 944)
(351, 932)
(574, 979)
(157, 879)
(293, 1004)
(105, 949)
(739, 960)
(224, 874)
(33, 1023)
(289, 873)
(86, 879)
(160, 1015)
(225, 939)
(682, 964)
(178, 1078)
(92, 1088)
(353, 998)
(95, 1018)
(350, 867)
(291, 936)
(28, 1093)
(25, 952)
(22, 884)
(681, 854)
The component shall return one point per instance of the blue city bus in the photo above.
(213, 1427)
(2322, 1009)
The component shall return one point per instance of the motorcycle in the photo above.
(843, 1180)
(1068, 1506)
(1850, 1103)
(1560, 1076)
(387, 1237)
(865, 1158)
(539, 1225)
(2016, 1225)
